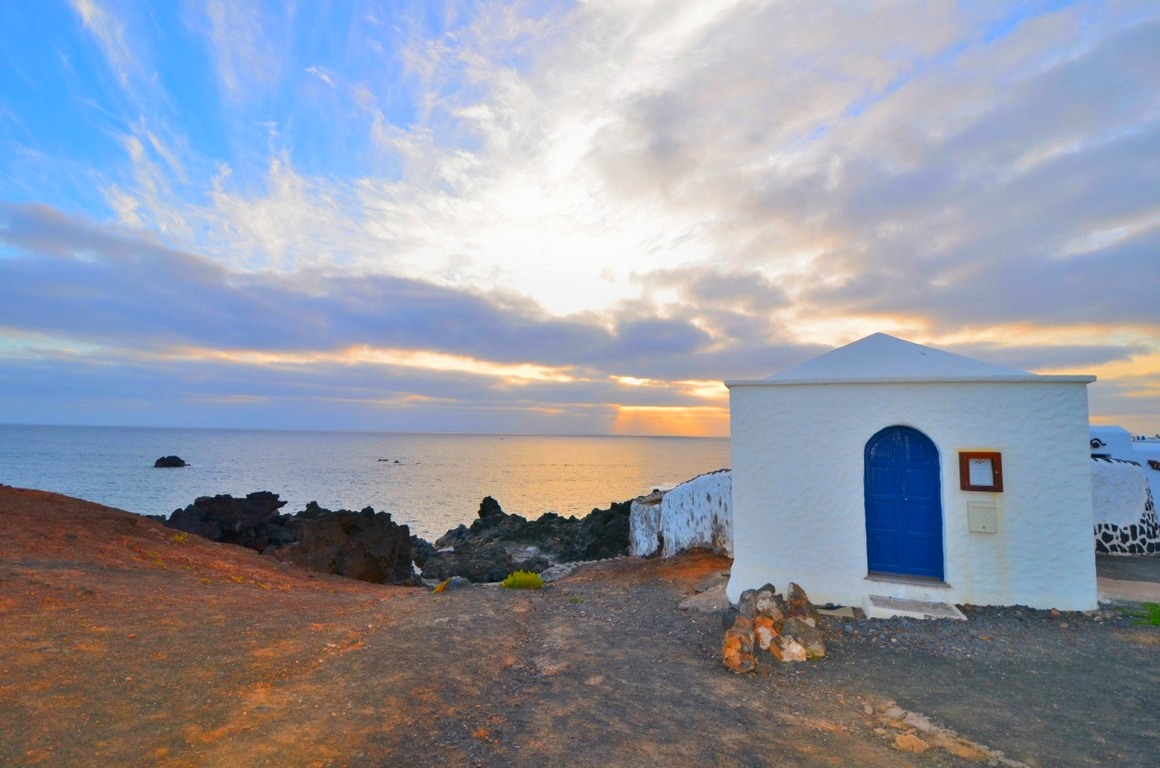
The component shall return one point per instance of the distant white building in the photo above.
(886, 469)
(1124, 470)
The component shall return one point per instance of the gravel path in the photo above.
(1128, 568)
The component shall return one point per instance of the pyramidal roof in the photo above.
(880, 357)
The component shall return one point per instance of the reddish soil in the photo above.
(123, 643)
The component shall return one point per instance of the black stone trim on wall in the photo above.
(1142, 538)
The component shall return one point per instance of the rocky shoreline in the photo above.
(370, 546)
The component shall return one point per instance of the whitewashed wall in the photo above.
(644, 525)
(695, 514)
(1119, 493)
(798, 501)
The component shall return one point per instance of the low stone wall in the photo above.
(696, 514)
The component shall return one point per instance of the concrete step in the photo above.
(882, 607)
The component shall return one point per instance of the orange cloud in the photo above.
(678, 421)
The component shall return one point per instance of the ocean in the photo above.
(431, 482)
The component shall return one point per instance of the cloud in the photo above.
(663, 191)
(86, 282)
(244, 49)
(1075, 357)
(110, 34)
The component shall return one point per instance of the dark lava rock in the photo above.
(421, 550)
(368, 545)
(489, 507)
(365, 545)
(170, 461)
(498, 543)
(252, 522)
(474, 561)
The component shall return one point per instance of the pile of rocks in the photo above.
(765, 627)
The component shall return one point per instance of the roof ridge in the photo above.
(882, 356)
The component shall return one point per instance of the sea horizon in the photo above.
(430, 481)
(355, 431)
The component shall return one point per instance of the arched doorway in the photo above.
(903, 504)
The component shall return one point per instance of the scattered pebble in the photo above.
(988, 633)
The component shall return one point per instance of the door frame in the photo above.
(932, 525)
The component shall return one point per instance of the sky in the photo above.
(562, 217)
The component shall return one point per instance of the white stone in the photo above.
(920, 722)
(798, 443)
(880, 607)
(791, 650)
(710, 601)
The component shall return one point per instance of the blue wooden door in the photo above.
(903, 504)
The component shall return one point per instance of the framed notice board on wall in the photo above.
(981, 471)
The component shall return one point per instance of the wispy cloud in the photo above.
(109, 32)
(243, 37)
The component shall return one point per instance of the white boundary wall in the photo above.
(696, 513)
(798, 498)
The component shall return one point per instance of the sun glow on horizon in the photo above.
(677, 421)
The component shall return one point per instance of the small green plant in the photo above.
(179, 538)
(523, 580)
(1150, 615)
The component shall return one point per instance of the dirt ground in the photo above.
(123, 643)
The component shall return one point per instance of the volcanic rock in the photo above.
(497, 543)
(475, 561)
(737, 645)
(365, 545)
(764, 627)
(252, 522)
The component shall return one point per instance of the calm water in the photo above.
(436, 485)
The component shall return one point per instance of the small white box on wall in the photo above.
(982, 517)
